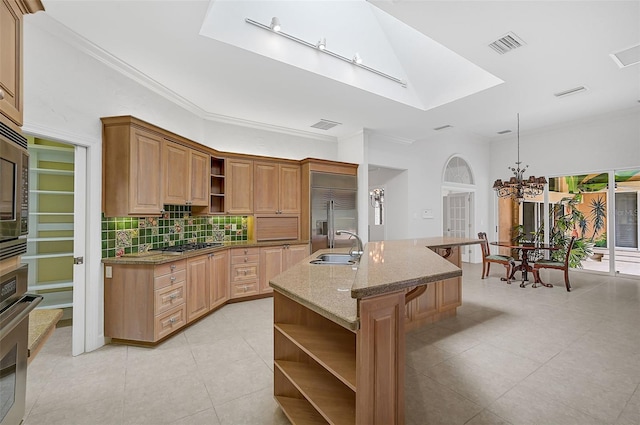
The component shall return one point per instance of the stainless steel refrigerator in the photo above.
(334, 200)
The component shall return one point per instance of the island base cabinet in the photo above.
(325, 373)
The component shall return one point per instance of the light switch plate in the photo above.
(428, 213)
(108, 272)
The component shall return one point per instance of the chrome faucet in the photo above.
(360, 250)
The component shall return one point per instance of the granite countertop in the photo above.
(157, 257)
(388, 266)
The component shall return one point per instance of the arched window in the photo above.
(458, 171)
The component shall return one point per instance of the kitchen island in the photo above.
(339, 329)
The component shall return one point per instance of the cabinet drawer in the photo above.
(244, 259)
(242, 272)
(169, 297)
(170, 279)
(244, 289)
(170, 321)
(245, 251)
(162, 269)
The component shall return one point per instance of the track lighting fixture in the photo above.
(321, 46)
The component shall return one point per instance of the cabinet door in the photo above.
(11, 61)
(197, 287)
(218, 279)
(144, 187)
(199, 177)
(265, 187)
(271, 265)
(175, 172)
(239, 186)
(289, 198)
(425, 305)
(294, 254)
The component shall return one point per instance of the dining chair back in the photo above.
(487, 259)
(557, 265)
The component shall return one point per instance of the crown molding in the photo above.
(390, 138)
(57, 135)
(70, 37)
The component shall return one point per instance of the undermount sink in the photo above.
(335, 259)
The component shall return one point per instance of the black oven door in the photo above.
(14, 335)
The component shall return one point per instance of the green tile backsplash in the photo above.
(128, 235)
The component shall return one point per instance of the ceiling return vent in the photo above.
(569, 92)
(325, 124)
(627, 57)
(507, 43)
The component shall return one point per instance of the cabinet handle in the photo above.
(172, 320)
(172, 279)
(246, 251)
(173, 296)
(245, 259)
(1, 94)
(172, 267)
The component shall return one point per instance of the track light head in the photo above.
(322, 44)
(275, 24)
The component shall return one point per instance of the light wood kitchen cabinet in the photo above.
(185, 174)
(197, 287)
(218, 279)
(244, 272)
(440, 299)
(11, 75)
(276, 188)
(131, 169)
(239, 186)
(276, 259)
(144, 303)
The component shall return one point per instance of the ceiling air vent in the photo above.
(504, 131)
(442, 127)
(570, 91)
(627, 57)
(325, 124)
(507, 43)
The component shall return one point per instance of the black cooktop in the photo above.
(189, 247)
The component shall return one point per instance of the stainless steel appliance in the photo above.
(334, 200)
(14, 192)
(14, 335)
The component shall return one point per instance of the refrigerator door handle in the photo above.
(330, 229)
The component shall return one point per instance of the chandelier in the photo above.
(517, 187)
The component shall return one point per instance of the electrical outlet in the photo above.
(108, 272)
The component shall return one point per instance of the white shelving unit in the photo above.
(50, 239)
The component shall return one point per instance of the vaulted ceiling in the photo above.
(224, 68)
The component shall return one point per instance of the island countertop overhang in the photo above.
(385, 267)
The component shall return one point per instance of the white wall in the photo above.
(68, 88)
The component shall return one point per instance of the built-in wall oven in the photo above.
(15, 306)
(14, 192)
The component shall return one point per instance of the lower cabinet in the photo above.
(244, 272)
(218, 279)
(197, 287)
(440, 299)
(276, 259)
(145, 303)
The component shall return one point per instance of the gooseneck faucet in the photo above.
(360, 250)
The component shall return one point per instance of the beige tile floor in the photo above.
(511, 356)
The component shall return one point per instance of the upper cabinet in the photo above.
(276, 188)
(11, 12)
(131, 158)
(239, 186)
(185, 174)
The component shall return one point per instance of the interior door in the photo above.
(79, 242)
(457, 222)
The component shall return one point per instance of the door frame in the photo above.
(88, 334)
(468, 255)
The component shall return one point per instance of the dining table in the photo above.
(525, 267)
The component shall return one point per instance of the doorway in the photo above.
(56, 239)
(458, 188)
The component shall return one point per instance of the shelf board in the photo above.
(51, 192)
(218, 194)
(39, 256)
(334, 401)
(52, 171)
(45, 214)
(52, 239)
(300, 411)
(218, 176)
(50, 285)
(50, 148)
(335, 351)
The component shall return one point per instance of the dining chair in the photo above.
(557, 265)
(487, 258)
